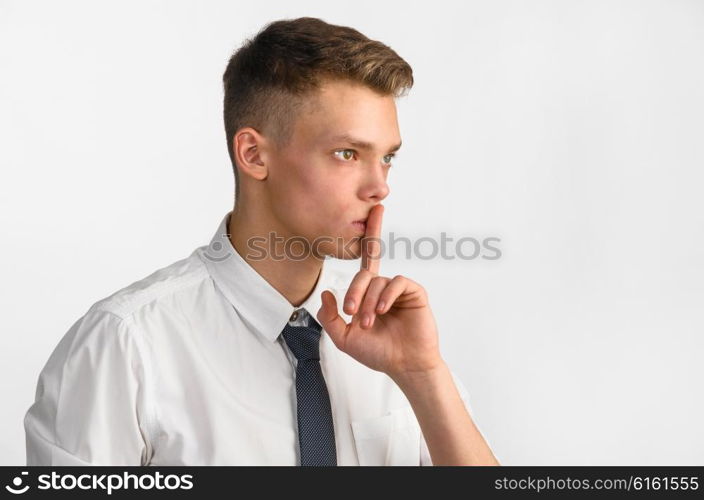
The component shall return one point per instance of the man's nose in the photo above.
(376, 186)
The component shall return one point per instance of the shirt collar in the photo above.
(257, 302)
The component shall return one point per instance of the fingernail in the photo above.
(349, 304)
(381, 305)
(366, 320)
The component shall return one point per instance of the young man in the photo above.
(253, 351)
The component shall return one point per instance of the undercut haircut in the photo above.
(273, 76)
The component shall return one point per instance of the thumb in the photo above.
(330, 320)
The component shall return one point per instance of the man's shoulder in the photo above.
(161, 283)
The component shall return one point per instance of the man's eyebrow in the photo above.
(358, 143)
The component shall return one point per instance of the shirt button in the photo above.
(294, 316)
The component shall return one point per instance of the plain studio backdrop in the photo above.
(572, 131)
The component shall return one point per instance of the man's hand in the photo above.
(400, 337)
(402, 341)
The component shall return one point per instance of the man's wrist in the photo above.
(426, 379)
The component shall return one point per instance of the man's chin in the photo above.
(345, 249)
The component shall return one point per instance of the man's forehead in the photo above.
(322, 124)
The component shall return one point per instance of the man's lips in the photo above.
(361, 225)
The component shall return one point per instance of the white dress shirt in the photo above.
(187, 367)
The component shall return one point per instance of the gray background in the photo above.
(571, 130)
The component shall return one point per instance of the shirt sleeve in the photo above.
(90, 404)
(424, 452)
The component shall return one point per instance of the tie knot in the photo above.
(303, 340)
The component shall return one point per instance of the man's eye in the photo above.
(345, 151)
(347, 154)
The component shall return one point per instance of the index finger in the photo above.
(371, 245)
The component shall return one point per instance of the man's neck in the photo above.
(294, 279)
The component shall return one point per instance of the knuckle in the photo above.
(361, 274)
(379, 280)
(369, 303)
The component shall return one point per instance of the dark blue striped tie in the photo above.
(316, 434)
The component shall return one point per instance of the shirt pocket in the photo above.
(390, 439)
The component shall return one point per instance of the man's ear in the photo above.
(247, 145)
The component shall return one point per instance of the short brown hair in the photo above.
(269, 77)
